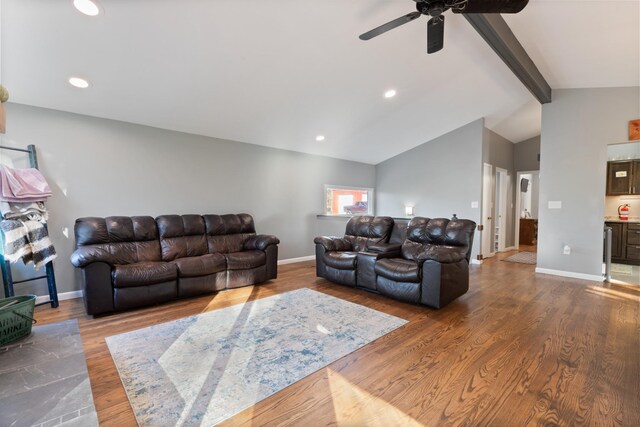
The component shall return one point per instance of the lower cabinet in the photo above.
(625, 242)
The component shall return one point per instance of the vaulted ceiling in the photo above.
(280, 72)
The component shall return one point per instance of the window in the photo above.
(348, 200)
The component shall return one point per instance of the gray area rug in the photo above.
(523, 258)
(44, 380)
(203, 369)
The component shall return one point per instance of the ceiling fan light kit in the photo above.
(435, 9)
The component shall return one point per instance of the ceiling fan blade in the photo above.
(435, 34)
(390, 26)
(491, 6)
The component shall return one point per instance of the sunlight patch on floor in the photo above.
(354, 406)
(612, 293)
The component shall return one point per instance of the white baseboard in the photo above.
(476, 261)
(61, 297)
(510, 248)
(592, 277)
(294, 260)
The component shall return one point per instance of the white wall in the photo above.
(100, 167)
(440, 177)
(577, 126)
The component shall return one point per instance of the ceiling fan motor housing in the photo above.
(432, 8)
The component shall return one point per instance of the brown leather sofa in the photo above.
(130, 262)
(425, 261)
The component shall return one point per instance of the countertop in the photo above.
(632, 219)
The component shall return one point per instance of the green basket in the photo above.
(16, 318)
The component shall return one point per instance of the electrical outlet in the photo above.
(566, 250)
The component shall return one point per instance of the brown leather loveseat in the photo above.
(424, 262)
(135, 261)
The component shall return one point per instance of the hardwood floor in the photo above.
(519, 349)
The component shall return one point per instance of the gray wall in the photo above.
(440, 177)
(498, 152)
(100, 167)
(577, 126)
(525, 155)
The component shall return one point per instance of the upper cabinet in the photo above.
(623, 177)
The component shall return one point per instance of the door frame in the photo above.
(500, 201)
(488, 177)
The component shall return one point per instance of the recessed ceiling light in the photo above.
(78, 82)
(88, 7)
(390, 93)
(320, 138)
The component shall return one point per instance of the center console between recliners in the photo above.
(425, 261)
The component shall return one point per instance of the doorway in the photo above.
(527, 204)
(621, 212)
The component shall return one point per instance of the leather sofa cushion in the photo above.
(245, 260)
(424, 233)
(143, 273)
(398, 269)
(181, 236)
(443, 254)
(341, 260)
(116, 240)
(201, 265)
(364, 230)
(217, 225)
(227, 243)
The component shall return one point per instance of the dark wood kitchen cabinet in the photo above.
(623, 177)
(625, 242)
(528, 231)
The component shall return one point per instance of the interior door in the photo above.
(487, 211)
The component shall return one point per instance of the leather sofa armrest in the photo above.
(86, 255)
(97, 288)
(333, 243)
(442, 254)
(260, 242)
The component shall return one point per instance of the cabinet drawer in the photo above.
(633, 252)
(633, 237)
(633, 226)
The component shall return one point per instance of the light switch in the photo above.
(555, 205)
(474, 205)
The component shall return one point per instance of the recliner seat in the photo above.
(336, 256)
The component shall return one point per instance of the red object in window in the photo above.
(357, 207)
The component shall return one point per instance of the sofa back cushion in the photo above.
(181, 236)
(365, 230)
(423, 232)
(227, 233)
(119, 239)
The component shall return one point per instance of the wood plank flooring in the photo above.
(518, 349)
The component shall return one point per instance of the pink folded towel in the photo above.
(23, 185)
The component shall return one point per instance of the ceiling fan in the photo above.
(436, 8)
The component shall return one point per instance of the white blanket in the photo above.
(28, 241)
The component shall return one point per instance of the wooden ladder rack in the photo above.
(7, 277)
